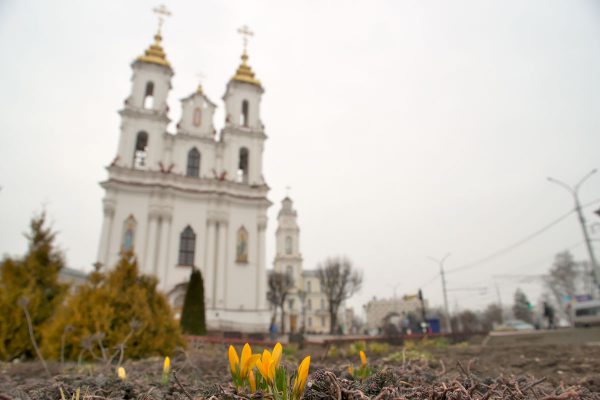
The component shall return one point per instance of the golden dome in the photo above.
(155, 53)
(244, 73)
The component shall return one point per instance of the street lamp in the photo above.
(302, 296)
(575, 192)
(441, 264)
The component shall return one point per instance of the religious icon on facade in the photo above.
(128, 234)
(242, 246)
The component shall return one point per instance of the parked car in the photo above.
(515, 325)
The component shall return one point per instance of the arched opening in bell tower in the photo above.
(242, 172)
(141, 150)
(149, 96)
(244, 114)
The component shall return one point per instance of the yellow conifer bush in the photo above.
(120, 307)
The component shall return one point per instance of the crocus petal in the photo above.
(166, 365)
(121, 373)
(234, 361)
(263, 369)
(303, 374)
(363, 358)
(252, 381)
(246, 354)
(277, 350)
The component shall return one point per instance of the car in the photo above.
(515, 325)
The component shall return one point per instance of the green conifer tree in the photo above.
(116, 308)
(193, 319)
(35, 278)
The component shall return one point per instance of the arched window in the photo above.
(141, 149)
(290, 270)
(187, 246)
(197, 118)
(242, 172)
(309, 305)
(288, 245)
(149, 95)
(193, 163)
(128, 234)
(244, 114)
(308, 288)
(241, 251)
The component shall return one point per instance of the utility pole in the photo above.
(575, 192)
(441, 264)
(499, 303)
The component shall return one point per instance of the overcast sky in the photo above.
(406, 129)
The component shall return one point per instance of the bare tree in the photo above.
(280, 286)
(562, 280)
(522, 307)
(339, 281)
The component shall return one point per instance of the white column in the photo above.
(261, 277)
(209, 264)
(221, 263)
(165, 246)
(109, 213)
(148, 261)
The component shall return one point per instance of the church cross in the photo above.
(246, 33)
(162, 13)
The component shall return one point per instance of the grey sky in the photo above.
(405, 128)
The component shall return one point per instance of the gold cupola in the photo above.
(155, 53)
(244, 72)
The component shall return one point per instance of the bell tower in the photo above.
(243, 135)
(287, 246)
(144, 116)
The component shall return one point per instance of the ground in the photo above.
(413, 371)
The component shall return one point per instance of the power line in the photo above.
(517, 244)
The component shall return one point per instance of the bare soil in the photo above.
(458, 372)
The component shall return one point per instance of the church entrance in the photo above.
(293, 323)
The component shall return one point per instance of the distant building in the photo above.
(381, 310)
(73, 277)
(288, 259)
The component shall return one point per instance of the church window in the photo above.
(309, 305)
(141, 150)
(290, 270)
(187, 246)
(244, 115)
(291, 304)
(323, 321)
(288, 245)
(241, 253)
(242, 172)
(197, 121)
(310, 322)
(193, 163)
(149, 95)
(322, 304)
(308, 286)
(128, 234)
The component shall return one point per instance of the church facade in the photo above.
(192, 198)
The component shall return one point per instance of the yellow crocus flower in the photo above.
(264, 366)
(167, 365)
(363, 358)
(248, 360)
(277, 350)
(301, 376)
(252, 381)
(351, 371)
(121, 373)
(234, 361)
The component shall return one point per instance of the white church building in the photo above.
(192, 198)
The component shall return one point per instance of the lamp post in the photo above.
(575, 192)
(441, 264)
(302, 296)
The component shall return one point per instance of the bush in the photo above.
(111, 309)
(193, 318)
(35, 278)
(378, 348)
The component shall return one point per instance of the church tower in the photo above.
(192, 199)
(287, 238)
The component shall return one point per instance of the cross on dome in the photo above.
(246, 34)
(162, 13)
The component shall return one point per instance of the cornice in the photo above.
(152, 115)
